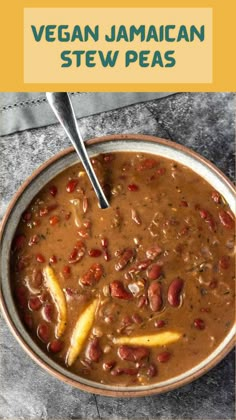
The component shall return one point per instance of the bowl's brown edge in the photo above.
(88, 388)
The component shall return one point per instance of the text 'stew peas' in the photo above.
(145, 58)
(110, 46)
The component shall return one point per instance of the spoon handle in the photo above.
(62, 107)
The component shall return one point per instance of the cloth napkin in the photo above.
(22, 111)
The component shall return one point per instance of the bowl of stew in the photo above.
(133, 300)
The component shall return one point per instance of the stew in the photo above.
(135, 294)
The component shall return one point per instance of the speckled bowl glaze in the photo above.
(24, 196)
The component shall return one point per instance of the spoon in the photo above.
(63, 109)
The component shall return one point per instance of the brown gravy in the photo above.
(159, 260)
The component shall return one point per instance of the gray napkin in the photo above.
(21, 111)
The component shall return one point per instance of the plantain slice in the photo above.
(159, 339)
(58, 298)
(81, 331)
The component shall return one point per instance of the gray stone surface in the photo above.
(201, 121)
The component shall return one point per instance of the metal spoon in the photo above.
(62, 108)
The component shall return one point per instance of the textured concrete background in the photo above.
(203, 122)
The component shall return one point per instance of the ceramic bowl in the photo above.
(24, 196)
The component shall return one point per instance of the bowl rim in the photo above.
(90, 388)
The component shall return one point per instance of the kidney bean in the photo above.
(153, 252)
(183, 203)
(34, 303)
(199, 324)
(213, 284)
(40, 258)
(104, 242)
(71, 185)
(135, 217)
(203, 213)
(87, 224)
(53, 259)
(55, 346)
(226, 219)
(83, 232)
(142, 301)
(26, 216)
(133, 187)
(77, 253)
(184, 231)
(211, 223)
(132, 354)
(126, 321)
(34, 240)
(161, 171)
(137, 318)
(140, 266)
(95, 253)
(44, 296)
(97, 270)
(125, 258)
(54, 220)
(145, 164)
(21, 264)
(163, 357)
(43, 332)
(45, 210)
(152, 370)
(108, 157)
(66, 271)
(208, 218)
(108, 365)
(142, 364)
(52, 207)
(124, 371)
(47, 312)
(155, 296)
(28, 320)
(117, 290)
(53, 190)
(92, 276)
(216, 197)
(174, 291)
(127, 276)
(93, 351)
(18, 242)
(21, 296)
(154, 271)
(106, 256)
(224, 262)
(70, 293)
(159, 323)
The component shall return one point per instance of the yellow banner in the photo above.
(197, 54)
(118, 45)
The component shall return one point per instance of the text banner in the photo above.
(119, 45)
